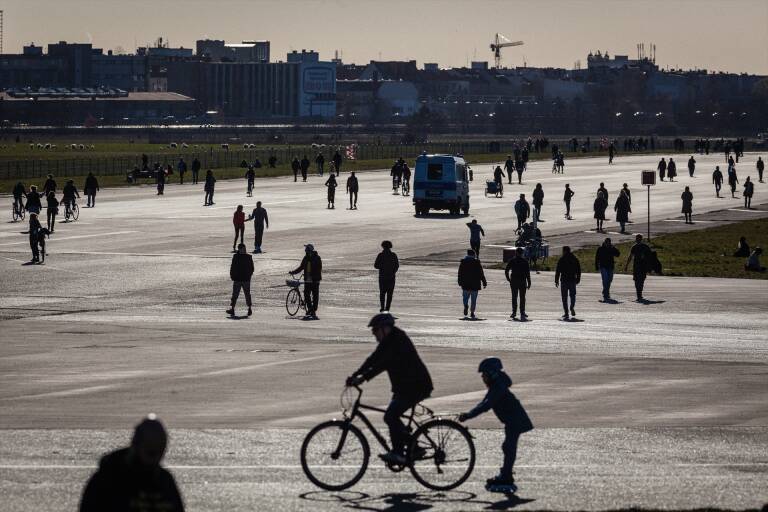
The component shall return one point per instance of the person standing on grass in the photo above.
(475, 232)
(760, 168)
(733, 180)
(209, 187)
(538, 202)
(749, 191)
(687, 210)
(331, 184)
(639, 256)
(387, 264)
(471, 277)
(604, 263)
(567, 195)
(522, 210)
(241, 271)
(717, 179)
(260, 221)
(238, 220)
(599, 207)
(622, 209)
(352, 187)
(90, 188)
(567, 276)
(509, 166)
(691, 166)
(518, 273)
(195, 170)
(53, 210)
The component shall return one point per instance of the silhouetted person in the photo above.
(181, 167)
(509, 411)
(33, 201)
(160, 180)
(625, 189)
(352, 188)
(662, 167)
(509, 166)
(250, 179)
(567, 276)
(717, 179)
(35, 232)
(241, 271)
(49, 185)
(604, 263)
(753, 263)
(742, 251)
(331, 184)
(599, 207)
(320, 162)
(90, 188)
(131, 479)
(260, 221)
(691, 166)
(295, 166)
(475, 232)
(518, 273)
(567, 195)
(304, 165)
(312, 267)
(387, 264)
(749, 191)
(519, 168)
(671, 169)
(238, 221)
(611, 153)
(498, 176)
(687, 198)
(622, 209)
(337, 162)
(195, 170)
(538, 202)
(209, 187)
(602, 190)
(760, 166)
(272, 161)
(411, 383)
(522, 210)
(471, 277)
(52, 211)
(639, 256)
(733, 180)
(69, 194)
(19, 193)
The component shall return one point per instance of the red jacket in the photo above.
(239, 219)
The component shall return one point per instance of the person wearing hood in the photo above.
(471, 276)
(387, 264)
(132, 479)
(312, 267)
(509, 411)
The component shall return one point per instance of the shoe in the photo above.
(393, 458)
(466, 310)
(231, 311)
(249, 311)
(418, 453)
(499, 484)
(523, 316)
(513, 315)
(473, 317)
(573, 312)
(565, 317)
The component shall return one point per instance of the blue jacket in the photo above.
(504, 404)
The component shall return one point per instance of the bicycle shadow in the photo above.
(410, 502)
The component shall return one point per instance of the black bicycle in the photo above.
(18, 211)
(71, 211)
(406, 187)
(294, 301)
(335, 454)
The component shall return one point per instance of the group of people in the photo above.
(302, 166)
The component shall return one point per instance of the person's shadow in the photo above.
(410, 502)
(510, 501)
(647, 302)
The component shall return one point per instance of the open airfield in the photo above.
(659, 405)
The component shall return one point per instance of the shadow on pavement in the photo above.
(410, 502)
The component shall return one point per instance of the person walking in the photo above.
(604, 263)
(195, 170)
(295, 166)
(49, 185)
(623, 209)
(567, 195)
(132, 479)
(691, 166)
(538, 202)
(471, 276)
(304, 166)
(475, 232)
(733, 180)
(662, 168)
(671, 169)
(519, 168)
(209, 187)
(250, 179)
(260, 221)
(331, 184)
(603, 190)
(238, 220)
(639, 256)
(518, 274)
(498, 176)
(90, 188)
(567, 276)
(687, 198)
(320, 162)
(599, 207)
(509, 166)
(52, 211)
(522, 210)
(749, 191)
(717, 179)
(160, 180)
(611, 153)
(760, 165)
(241, 271)
(352, 187)
(628, 193)
(181, 167)
(312, 268)
(33, 200)
(337, 162)
(35, 232)
(387, 264)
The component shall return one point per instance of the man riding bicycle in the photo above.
(406, 181)
(410, 379)
(19, 193)
(396, 172)
(70, 192)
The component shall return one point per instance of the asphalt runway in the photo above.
(661, 405)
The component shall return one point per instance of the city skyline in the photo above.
(365, 31)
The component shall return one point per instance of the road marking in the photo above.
(695, 222)
(110, 233)
(747, 211)
(382, 467)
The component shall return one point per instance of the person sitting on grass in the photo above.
(509, 411)
(753, 262)
(743, 249)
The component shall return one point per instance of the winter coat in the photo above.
(312, 266)
(600, 206)
(622, 209)
(538, 197)
(387, 264)
(568, 268)
(504, 404)
(604, 257)
(687, 198)
(471, 274)
(241, 268)
(518, 271)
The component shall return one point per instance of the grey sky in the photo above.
(727, 35)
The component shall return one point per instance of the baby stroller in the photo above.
(494, 188)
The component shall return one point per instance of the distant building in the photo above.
(216, 50)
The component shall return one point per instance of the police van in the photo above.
(440, 182)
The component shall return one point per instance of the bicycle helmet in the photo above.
(382, 319)
(490, 365)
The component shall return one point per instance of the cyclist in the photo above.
(509, 411)
(70, 193)
(250, 176)
(410, 379)
(33, 200)
(406, 178)
(19, 193)
(396, 172)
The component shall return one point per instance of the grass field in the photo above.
(701, 253)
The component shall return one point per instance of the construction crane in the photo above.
(498, 43)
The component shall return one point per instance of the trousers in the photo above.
(386, 289)
(606, 274)
(311, 297)
(397, 431)
(568, 288)
(241, 285)
(509, 448)
(518, 290)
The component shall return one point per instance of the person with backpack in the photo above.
(567, 276)
(687, 198)
(604, 263)
(509, 411)
(387, 264)
(471, 277)
(639, 256)
(518, 274)
(241, 271)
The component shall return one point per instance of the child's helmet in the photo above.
(490, 365)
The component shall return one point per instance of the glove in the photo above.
(353, 380)
(463, 417)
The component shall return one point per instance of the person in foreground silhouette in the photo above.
(509, 411)
(131, 479)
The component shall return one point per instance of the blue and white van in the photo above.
(440, 182)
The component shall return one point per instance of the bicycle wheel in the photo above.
(293, 301)
(334, 455)
(16, 215)
(75, 212)
(443, 455)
